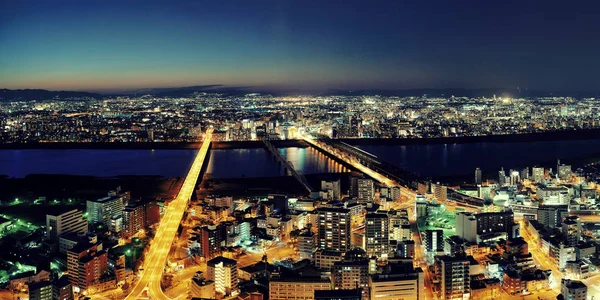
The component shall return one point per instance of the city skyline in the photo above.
(100, 46)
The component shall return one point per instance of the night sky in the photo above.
(111, 45)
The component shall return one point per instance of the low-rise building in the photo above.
(298, 288)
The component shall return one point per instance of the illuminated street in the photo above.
(160, 246)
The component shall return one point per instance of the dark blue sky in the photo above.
(93, 45)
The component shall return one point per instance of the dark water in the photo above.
(103, 163)
(426, 160)
(462, 159)
(225, 163)
(235, 163)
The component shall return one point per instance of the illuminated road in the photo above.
(353, 162)
(155, 260)
(541, 259)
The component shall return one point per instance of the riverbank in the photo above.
(583, 134)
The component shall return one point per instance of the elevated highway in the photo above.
(156, 258)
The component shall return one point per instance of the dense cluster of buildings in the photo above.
(81, 252)
(236, 118)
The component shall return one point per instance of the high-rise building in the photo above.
(440, 192)
(478, 179)
(223, 271)
(563, 171)
(501, 177)
(573, 290)
(352, 272)
(211, 239)
(571, 230)
(331, 188)
(366, 190)
(552, 215)
(334, 229)
(524, 173)
(405, 248)
(307, 245)
(495, 222)
(454, 275)
(86, 264)
(104, 209)
(434, 240)
(466, 226)
(377, 235)
(139, 215)
(538, 174)
(40, 290)
(421, 206)
(395, 193)
(515, 177)
(67, 222)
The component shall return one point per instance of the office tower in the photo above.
(62, 289)
(331, 188)
(538, 174)
(211, 239)
(377, 235)
(350, 294)
(501, 177)
(571, 230)
(334, 229)
(104, 209)
(297, 287)
(223, 271)
(398, 280)
(40, 290)
(352, 272)
(478, 179)
(86, 263)
(434, 240)
(466, 226)
(366, 190)
(495, 222)
(67, 222)
(573, 290)
(454, 274)
(552, 215)
(307, 245)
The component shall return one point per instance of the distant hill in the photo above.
(175, 92)
(459, 92)
(38, 94)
